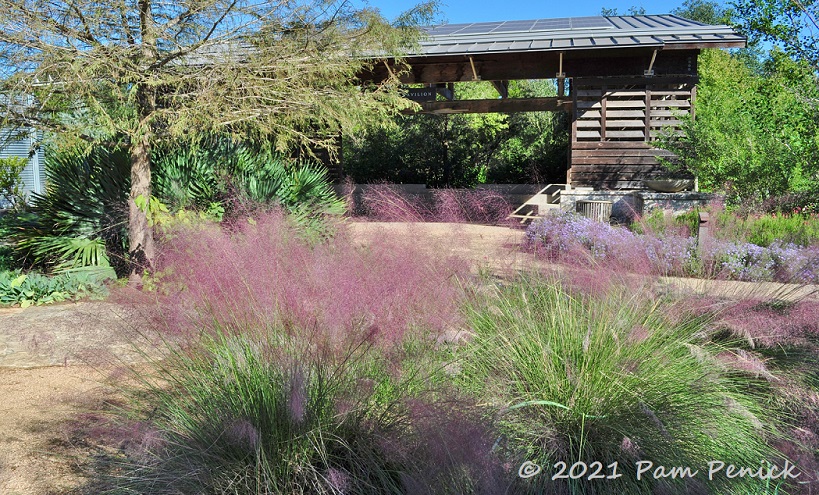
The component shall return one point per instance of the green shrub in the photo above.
(6, 258)
(34, 289)
(81, 220)
(609, 379)
(11, 184)
(658, 222)
(764, 230)
(216, 169)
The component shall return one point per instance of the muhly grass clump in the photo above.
(574, 377)
(251, 274)
(776, 342)
(336, 368)
(299, 368)
(384, 202)
(572, 238)
(263, 414)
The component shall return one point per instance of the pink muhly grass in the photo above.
(339, 480)
(255, 277)
(384, 202)
(742, 360)
(387, 203)
(452, 449)
(769, 323)
(470, 206)
(243, 434)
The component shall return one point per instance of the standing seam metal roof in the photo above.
(571, 34)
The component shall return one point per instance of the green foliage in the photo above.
(30, 289)
(608, 378)
(11, 182)
(658, 222)
(260, 413)
(6, 256)
(705, 11)
(464, 150)
(631, 11)
(145, 72)
(734, 226)
(764, 230)
(210, 176)
(81, 218)
(755, 135)
(790, 24)
(213, 170)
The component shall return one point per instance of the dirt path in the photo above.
(37, 445)
(487, 247)
(53, 364)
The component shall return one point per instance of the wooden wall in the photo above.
(614, 122)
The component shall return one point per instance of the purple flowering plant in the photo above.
(571, 238)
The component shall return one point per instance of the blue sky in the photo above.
(459, 11)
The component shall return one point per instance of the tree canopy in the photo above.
(756, 132)
(138, 71)
(792, 24)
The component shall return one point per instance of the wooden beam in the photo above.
(603, 106)
(637, 80)
(506, 105)
(502, 87)
(538, 65)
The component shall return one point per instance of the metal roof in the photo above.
(574, 33)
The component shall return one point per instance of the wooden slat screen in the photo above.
(614, 125)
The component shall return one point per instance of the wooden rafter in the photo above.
(505, 105)
(502, 87)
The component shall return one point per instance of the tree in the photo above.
(793, 24)
(11, 181)
(135, 72)
(704, 11)
(756, 128)
(631, 11)
(755, 132)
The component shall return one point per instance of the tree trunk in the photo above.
(140, 233)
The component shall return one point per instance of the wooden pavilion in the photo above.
(621, 78)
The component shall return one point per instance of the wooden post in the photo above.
(573, 138)
(647, 136)
(693, 100)
(703, 233)
(603, 99)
